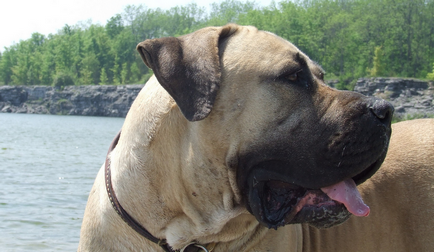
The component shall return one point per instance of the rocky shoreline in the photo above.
(410, 97)
(107, 100)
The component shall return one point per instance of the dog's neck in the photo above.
(182, 193)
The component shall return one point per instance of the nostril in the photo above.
(382, 109)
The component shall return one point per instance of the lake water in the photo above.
(47, 167)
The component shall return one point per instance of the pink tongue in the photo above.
(346, 193)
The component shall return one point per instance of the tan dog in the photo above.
(235, 134)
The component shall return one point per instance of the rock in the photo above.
(427, 102)
(6, 109)
(400, 109)
(105, 100)
(14, 95)
(410, 97)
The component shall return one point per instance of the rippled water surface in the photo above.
(47, 168)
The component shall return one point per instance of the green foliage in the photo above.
(7, 61)
(124, 73)
(407, 117)
(63, 79)
(135, 73)
(346, 83)
(378, 69)
(228, 11)
(103, 80)
(430, 76)
(116, 74)
(342, 36)
(114, 26)
(147, 76)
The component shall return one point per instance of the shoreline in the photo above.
(412, 98)
(92, 100)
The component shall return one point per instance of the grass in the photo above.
(407, 117)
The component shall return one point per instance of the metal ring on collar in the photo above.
(196, 245)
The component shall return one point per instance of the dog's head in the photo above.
(297, 146)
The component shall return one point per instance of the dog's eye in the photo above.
(293, 76)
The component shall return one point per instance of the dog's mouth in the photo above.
(275, 203)
(276, 199)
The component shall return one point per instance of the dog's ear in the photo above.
(188, 67)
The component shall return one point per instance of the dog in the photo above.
(237, 144)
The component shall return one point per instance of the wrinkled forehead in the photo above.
(264, 52)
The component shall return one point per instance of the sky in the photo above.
(20, 18)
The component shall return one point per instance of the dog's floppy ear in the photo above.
(188, 68)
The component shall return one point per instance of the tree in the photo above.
(430, 76)
(116, 73)
(124, 73)
(114, 26)
(228, 11)
(341, 35)
(7, 61)
(103, 80)
(90, 70)
(63, 79)
(378, 69)
(21, 67)
(181, 20)
(47, 65)
(134, 73)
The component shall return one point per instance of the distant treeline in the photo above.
(349, 38)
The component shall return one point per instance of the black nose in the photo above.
(383, 110)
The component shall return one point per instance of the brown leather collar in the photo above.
(192, 247)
